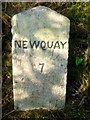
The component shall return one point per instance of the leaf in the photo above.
(78, 60)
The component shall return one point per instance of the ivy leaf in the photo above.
(78, 60)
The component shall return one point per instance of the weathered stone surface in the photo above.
(39, 58)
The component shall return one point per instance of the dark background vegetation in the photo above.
(78, 80)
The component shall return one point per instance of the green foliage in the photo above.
(80, 12)
(78, 60)
(76, 113)
(87, 12)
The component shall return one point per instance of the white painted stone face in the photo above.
(39, 59)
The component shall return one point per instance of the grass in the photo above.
(78, 79)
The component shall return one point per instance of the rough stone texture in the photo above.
(39, 74)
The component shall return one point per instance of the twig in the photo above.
(5, 18)
(82, 101)
(8, 113)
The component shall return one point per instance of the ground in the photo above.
(78, 79)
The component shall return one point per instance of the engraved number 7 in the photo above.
(42, 65)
